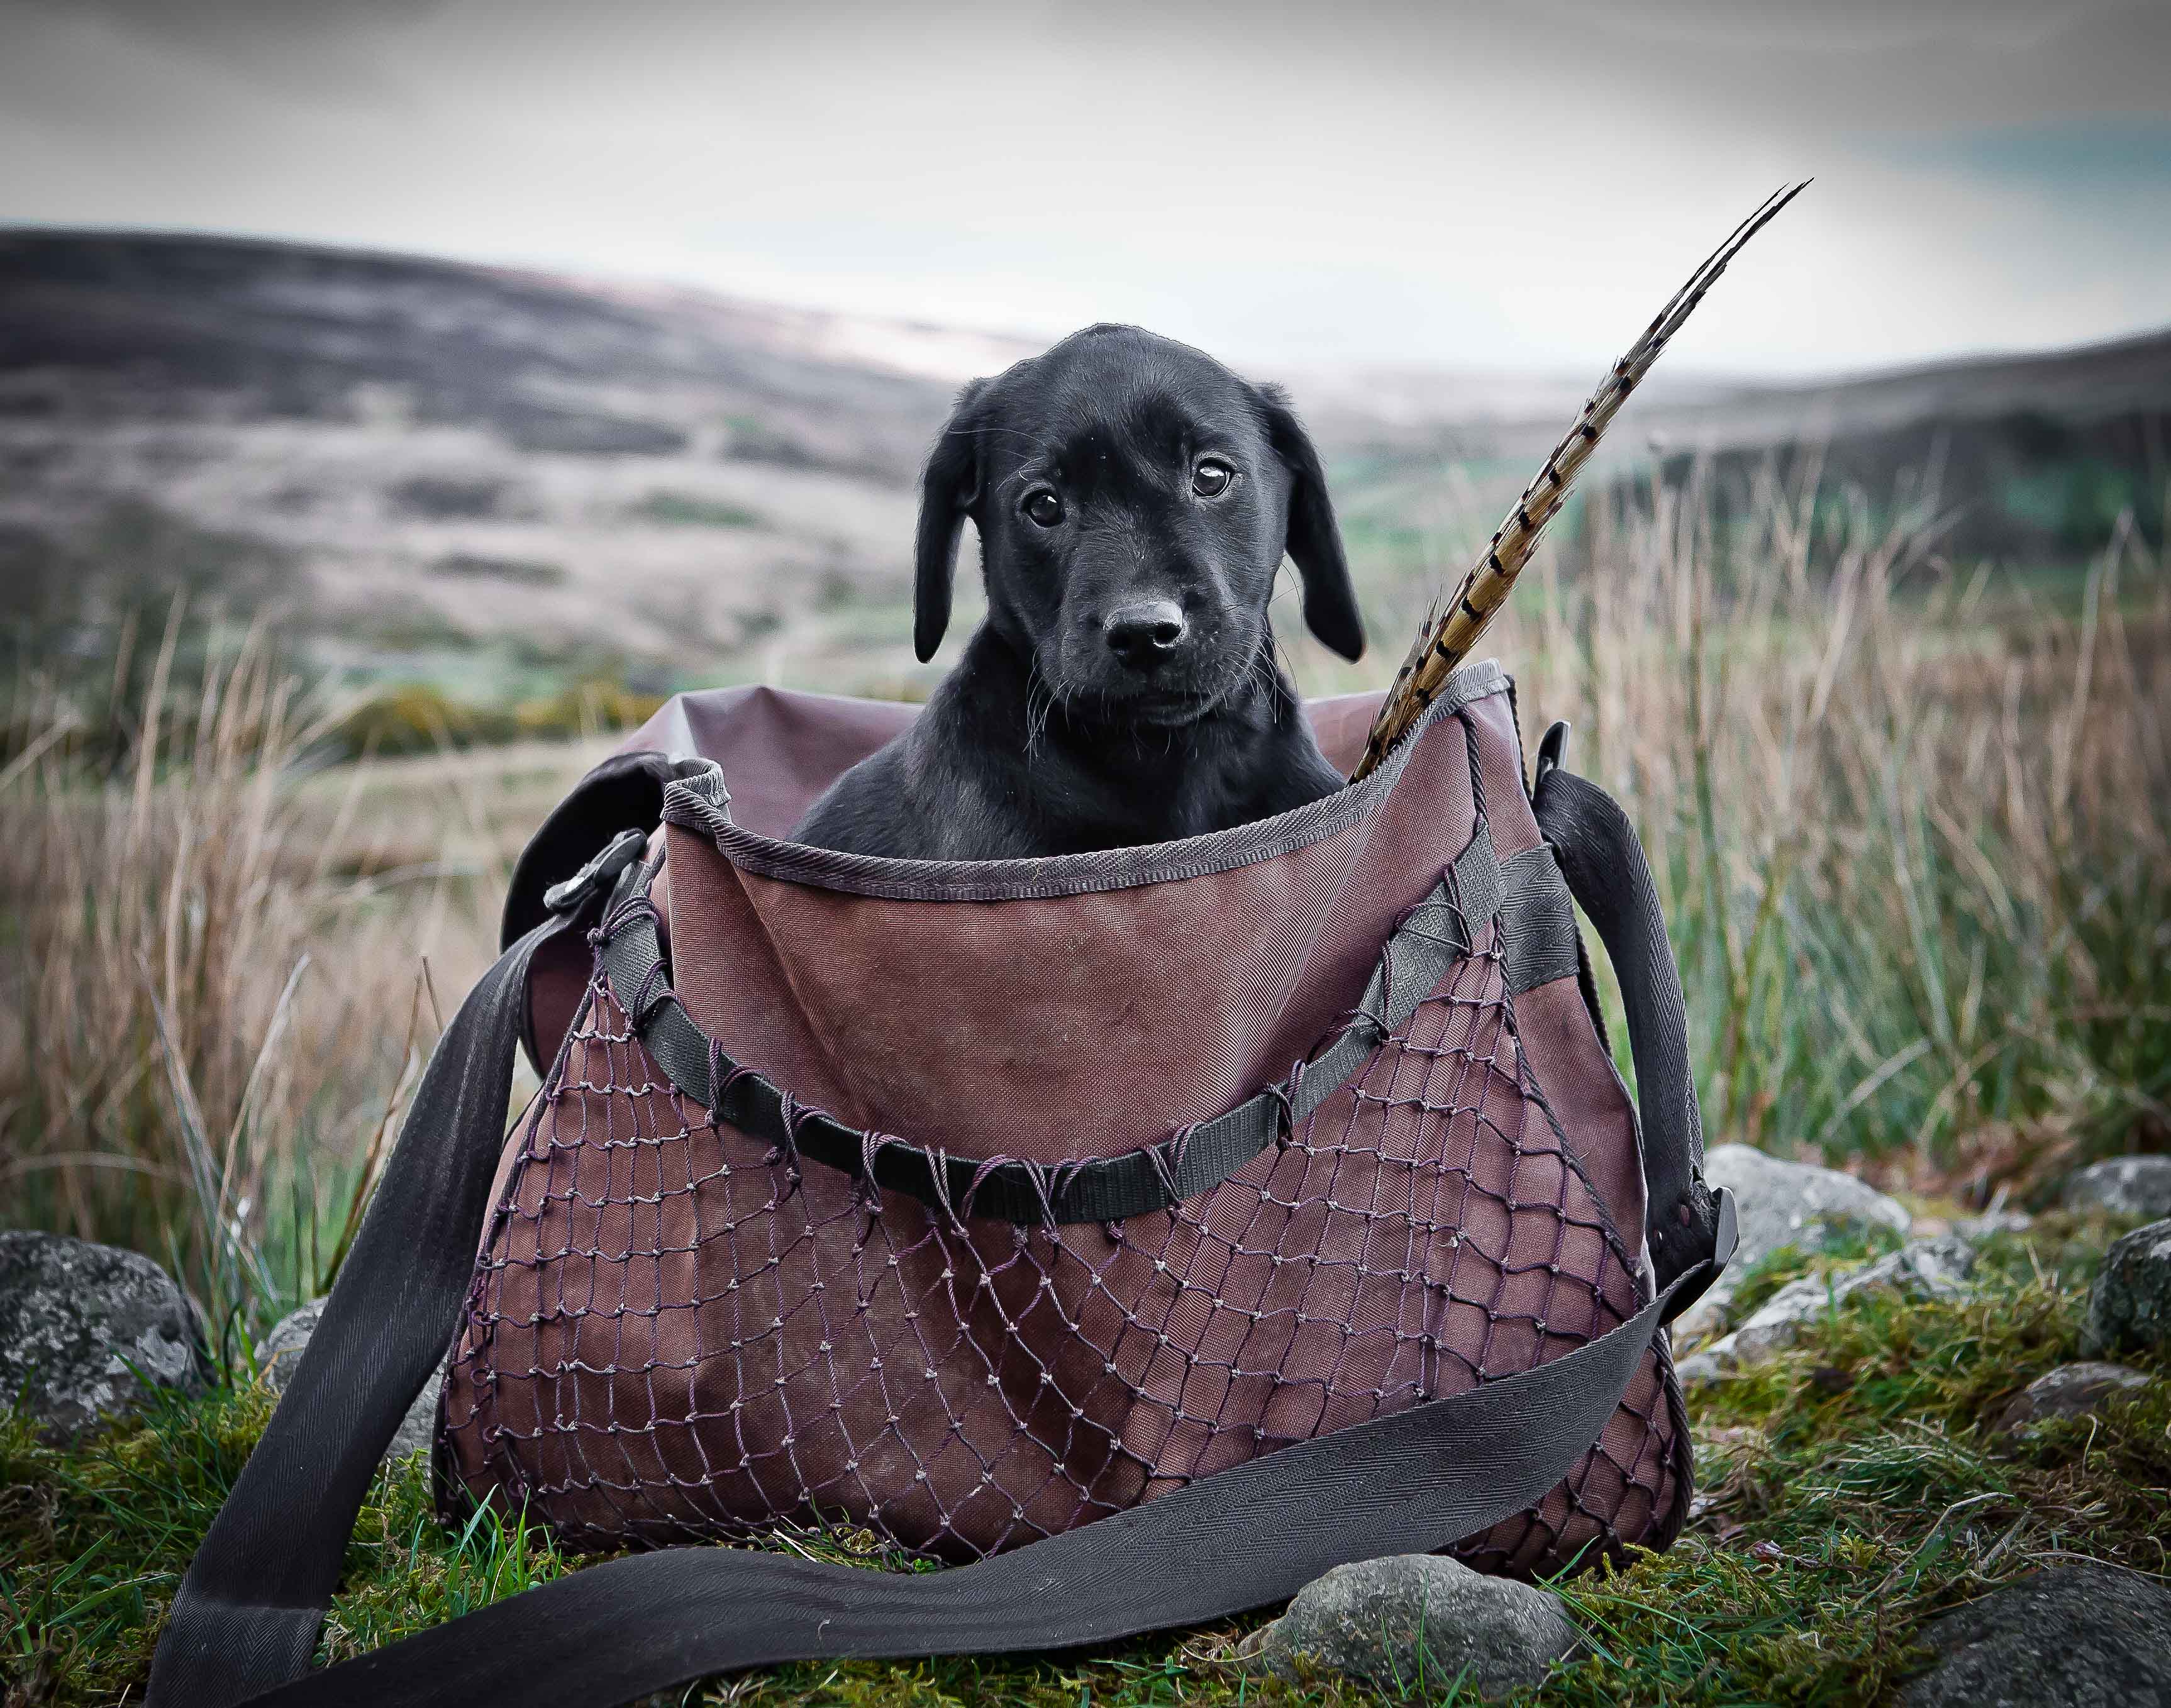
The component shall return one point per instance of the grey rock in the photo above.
(2131, 1304)
(1936, 1268)
(1940, 1268)
(1707, 1317)
(1781, 1203)
(87, 1330)
(1415, 1620)
(1779, 1320)
(2070, 1390)
(2126, 1185)
(280, 1352)
(2082, 1636)
(1707, 1363)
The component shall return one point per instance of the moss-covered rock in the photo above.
(1784, 1205)
(2124, 1185)
(2130, 1306)
(2070, 1390)
(87, 1330)
(2082, 1636)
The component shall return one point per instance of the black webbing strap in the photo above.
(1522, 892)
(1610, 878)
(247, 1614)
(1246, 1537)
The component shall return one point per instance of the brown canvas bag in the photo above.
(1140, 1233)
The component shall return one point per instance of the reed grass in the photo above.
(222, 969)
(1907, 817)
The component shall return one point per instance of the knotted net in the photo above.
(677, 1333)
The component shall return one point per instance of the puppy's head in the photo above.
(1133, 499)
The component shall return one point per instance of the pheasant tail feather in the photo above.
(1451, 630)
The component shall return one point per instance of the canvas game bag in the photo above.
(1138, 1234)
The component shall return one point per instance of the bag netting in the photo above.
(677, 1333)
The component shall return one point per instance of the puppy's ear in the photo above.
(948, 489)
(1315, 543)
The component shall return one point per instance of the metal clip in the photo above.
(622, 850)
(1553, 753)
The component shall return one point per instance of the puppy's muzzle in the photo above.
(1146, 635)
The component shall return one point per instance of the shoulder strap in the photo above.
(247, 1614)
(1610, 880)
(1243, 1538)
(244, 1625)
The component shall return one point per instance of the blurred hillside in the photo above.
(496, 484)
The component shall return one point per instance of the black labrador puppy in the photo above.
(1133, 499)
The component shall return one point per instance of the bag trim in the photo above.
(1606, 872)
(1524, 897)
(699, 799)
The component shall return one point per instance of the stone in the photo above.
(1707, 1363)
(280, 1352)
(2130, 1306)
(1935, 1268)
(87, 1332)
(1941, 1268)
(1781, 1203)
(2124, 1186)
(2070, 1390)
(1775, 1325)
(2082, 1636)
(1417, 1622)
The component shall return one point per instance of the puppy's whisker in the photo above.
(1040, 699)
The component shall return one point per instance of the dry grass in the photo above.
(220, 970)
(1906, 820)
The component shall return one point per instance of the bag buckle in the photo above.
(1553, 753)
(1725, 1234)
(622, 851)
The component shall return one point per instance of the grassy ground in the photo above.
(1851, 1489)
(1905, 819)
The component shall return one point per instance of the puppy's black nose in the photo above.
(1145, 634)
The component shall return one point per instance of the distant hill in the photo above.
(2026, 457)
(494, 479)
(443, 454)
(2030, 457)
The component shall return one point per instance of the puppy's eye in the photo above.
(1044, 508)
(1210, 480)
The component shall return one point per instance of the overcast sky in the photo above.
(1511, 185)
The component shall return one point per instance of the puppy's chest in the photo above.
(1152, 799)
